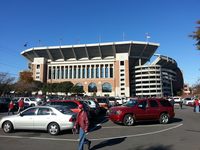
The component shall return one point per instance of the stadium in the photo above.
(112, 68)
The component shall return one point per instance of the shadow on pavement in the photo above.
(108, 143)
(156, 147)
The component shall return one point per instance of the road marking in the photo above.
(99, 139)
(139, 126)
(137, 135)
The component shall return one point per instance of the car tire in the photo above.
(7, 127)
(128, 120)
(164, 118)
(53, 128)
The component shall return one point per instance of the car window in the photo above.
(143, 104)
(64, 109)
(131, 103)
(165, 103)
(29, 112)
(44, 111)
(153, 103)
(71, 105)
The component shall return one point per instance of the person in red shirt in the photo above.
(20, 105)
(11, 107)
(82, 122)
(196, 104)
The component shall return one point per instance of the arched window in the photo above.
(80, 86)
(92, 87)
(106, 87)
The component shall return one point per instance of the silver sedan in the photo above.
(48, 118)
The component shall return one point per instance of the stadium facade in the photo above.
(114, 68)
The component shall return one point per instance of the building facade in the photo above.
(100, 68)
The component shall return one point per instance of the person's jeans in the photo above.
(82, 139)
(197, 109)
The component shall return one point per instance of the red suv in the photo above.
(142, 109)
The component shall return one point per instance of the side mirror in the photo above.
(141, 106)
(21, 114)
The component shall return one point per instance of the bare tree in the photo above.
(5, 82)
(196, 35)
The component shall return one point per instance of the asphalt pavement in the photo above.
(182, 134)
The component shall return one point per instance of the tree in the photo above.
(196, 35)
(77, 89)
(5, 83)
(66, 87)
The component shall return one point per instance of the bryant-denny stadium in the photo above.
(114, 68)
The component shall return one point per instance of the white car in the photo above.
(188, 100)
(52, 119)
(30, 101)
(177, 99)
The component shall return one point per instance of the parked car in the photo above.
(177, 99)
(4, 102)
(143, 109)
(94, 107)
(51, 119)
(103, 103)
(188, 101)
(71, 104)
(30, 100)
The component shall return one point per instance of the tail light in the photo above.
(71, 119)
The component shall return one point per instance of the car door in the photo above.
(44, 116)
(153, 110)
(141, 110)
(25, 119)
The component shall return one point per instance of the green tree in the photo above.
(66, 87)
(77, 89)
(196, 35)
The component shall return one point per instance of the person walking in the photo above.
(20, 105)
(196, 104)
(82, 123)
(181, 103)
(11, 107)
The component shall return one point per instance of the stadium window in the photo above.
(38, 66)
(92, 72)
(97, 71)
(106, 72)
(111, 71)
(49, 75)
(106, 87)
(66, 72)
(121, 63)
(88, 71)
(83, 72)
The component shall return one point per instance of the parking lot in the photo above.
(183, 133)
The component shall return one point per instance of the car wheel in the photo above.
(7, 127)
(128, 120)
(53, 128)
(164, 118)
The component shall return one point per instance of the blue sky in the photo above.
(49, 22)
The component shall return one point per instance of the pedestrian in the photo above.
(11, 107)
(196, 104)
(82, 123)
(181, 103)
(20, 105)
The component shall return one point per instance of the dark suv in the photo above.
(141, 110)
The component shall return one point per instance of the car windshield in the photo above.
(130, 103)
